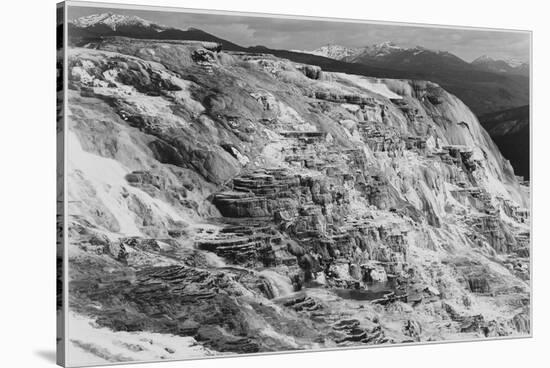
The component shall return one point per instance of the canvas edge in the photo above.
(61, 258)
(531, 247)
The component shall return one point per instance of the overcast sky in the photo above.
(311, 34)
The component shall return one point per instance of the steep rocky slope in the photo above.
(510, 131)
(247, 203)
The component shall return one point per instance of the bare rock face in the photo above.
(312, 71)
(256, 204)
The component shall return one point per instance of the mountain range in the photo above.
(485, 85)
(97, 26)
(389, 54)
(510, 66)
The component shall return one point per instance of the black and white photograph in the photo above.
(233, 183)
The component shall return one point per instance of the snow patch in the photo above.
(93, 345)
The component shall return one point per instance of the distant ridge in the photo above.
(508, 65)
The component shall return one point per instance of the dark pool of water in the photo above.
(373, 291)
(361, 294)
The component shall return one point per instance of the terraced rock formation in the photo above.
(245, 203)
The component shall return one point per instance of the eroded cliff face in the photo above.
(252, 204)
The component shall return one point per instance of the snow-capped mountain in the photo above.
(513, 62)
(93, 27)
(505, 65)
(381, 49)
(389, 54)
(332, 51)
(339, 52)
(115, 21)
(417, 58)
